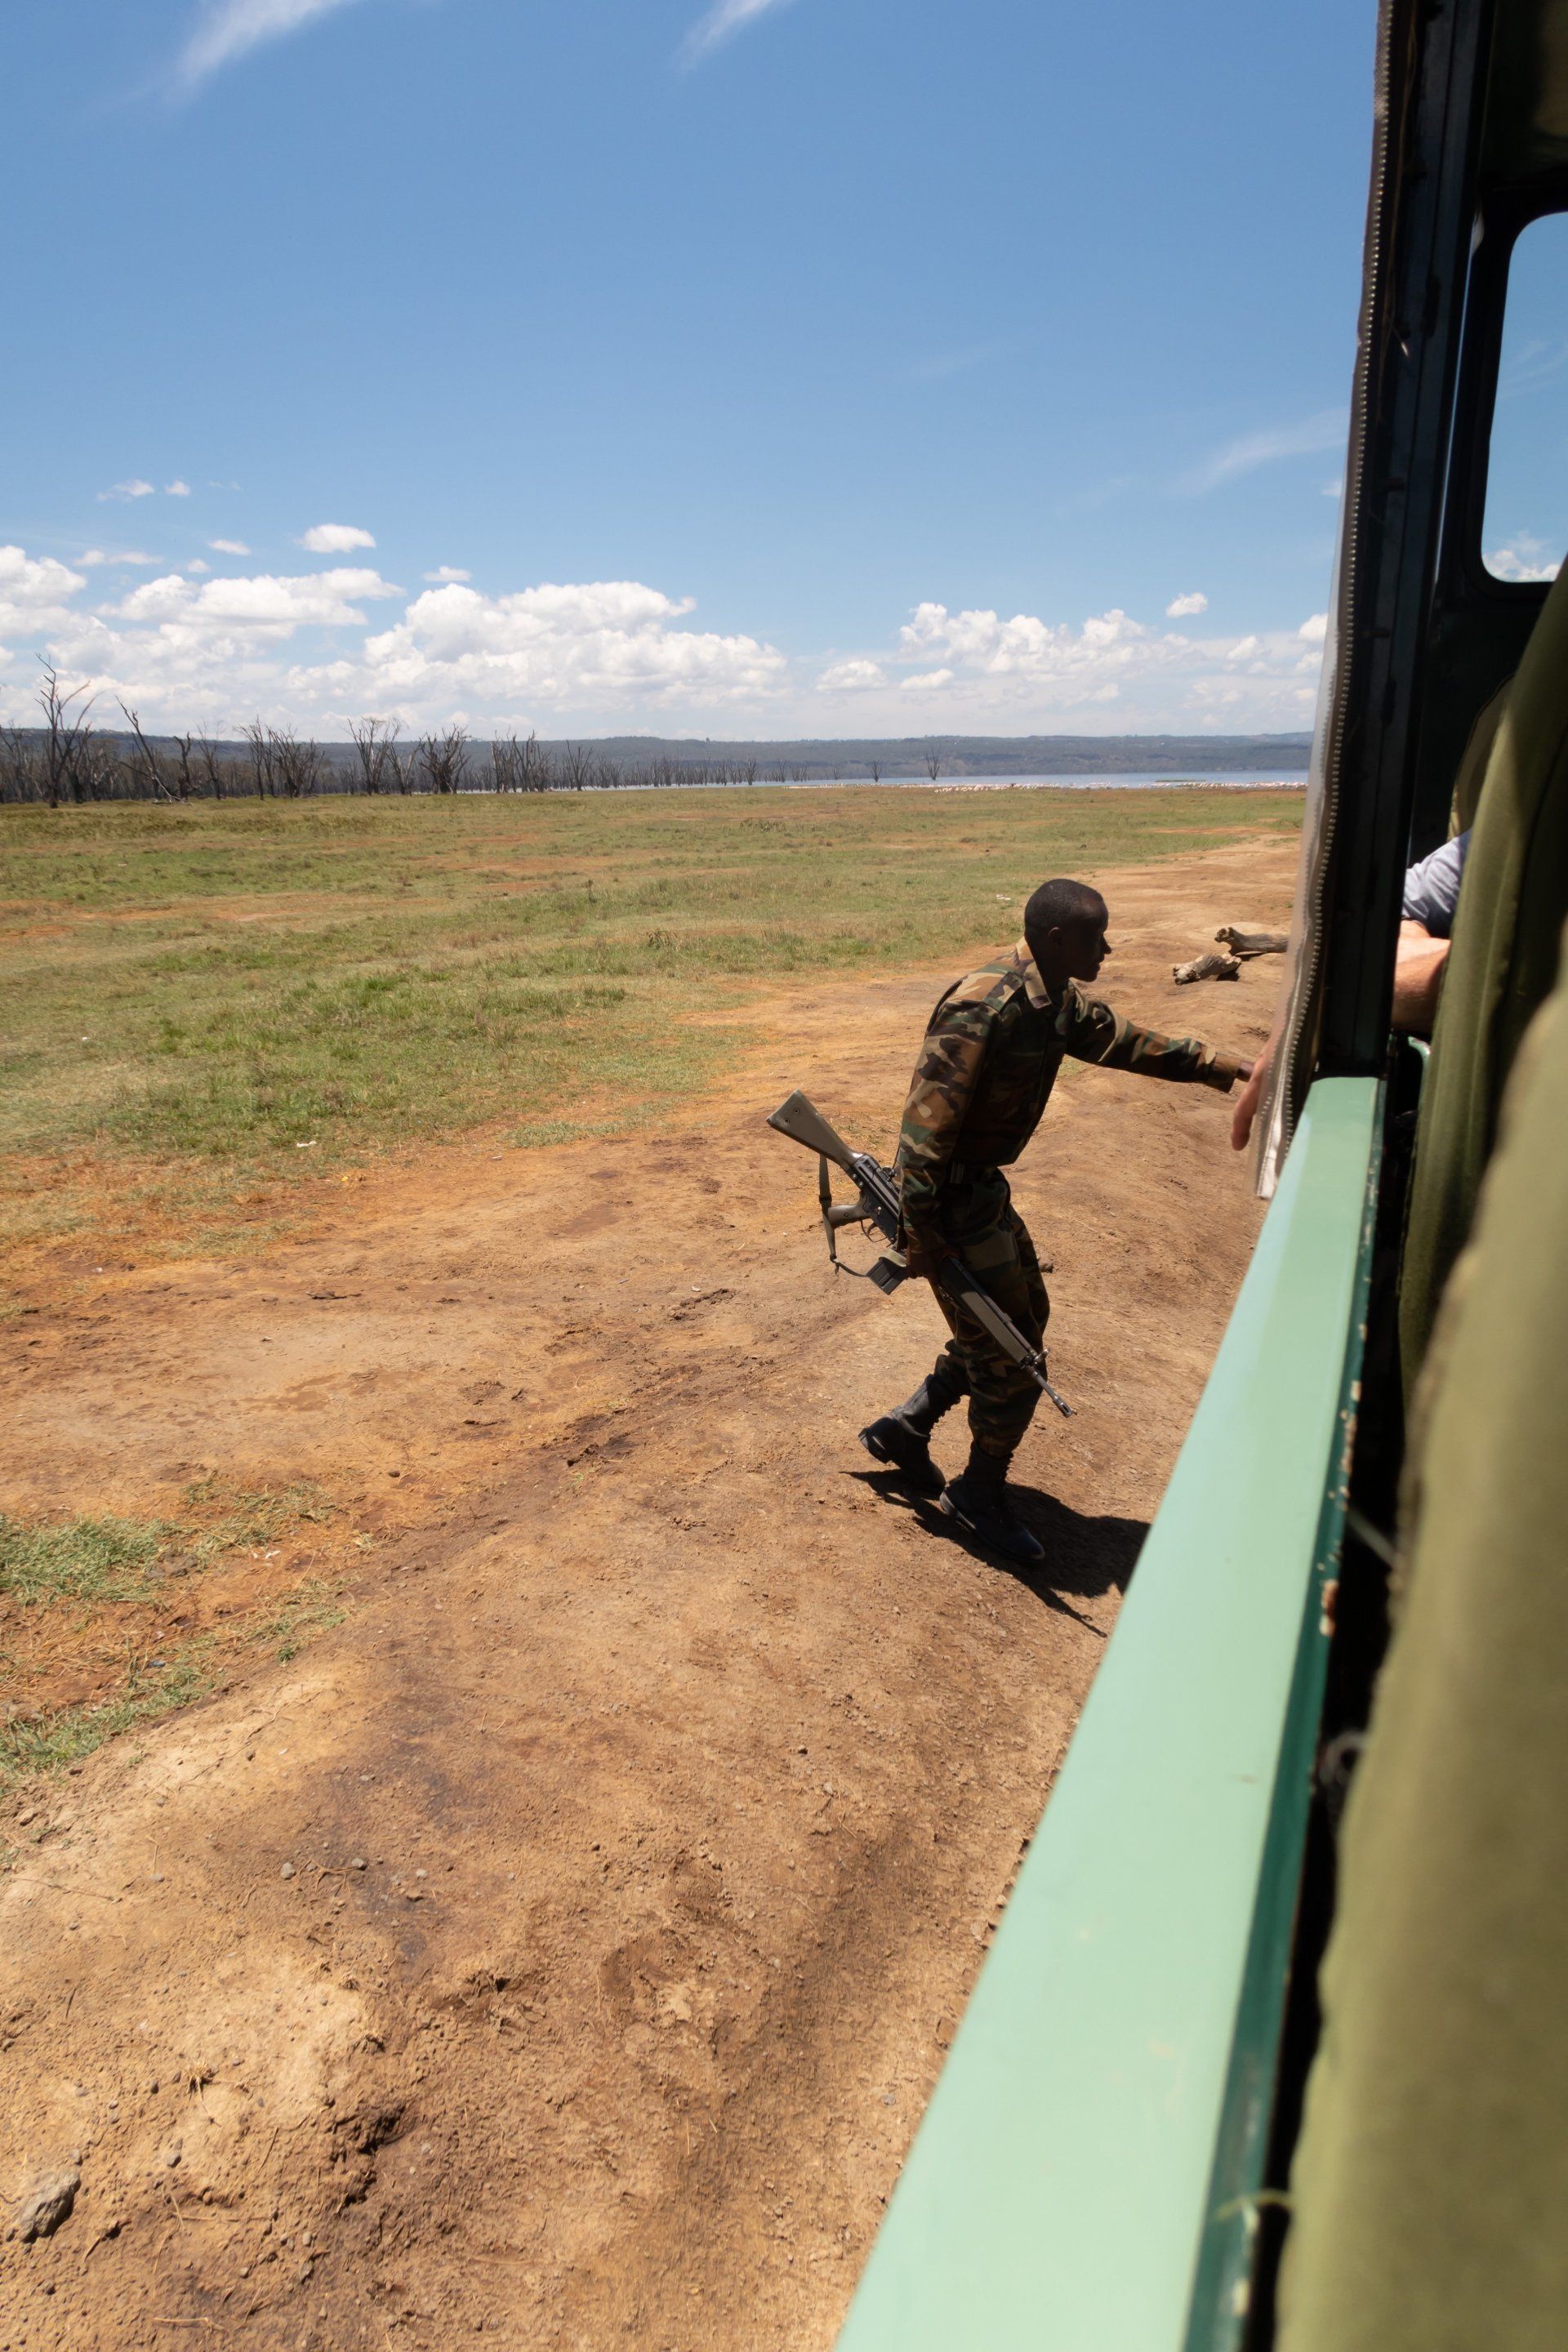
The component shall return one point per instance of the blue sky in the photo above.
(792, 366)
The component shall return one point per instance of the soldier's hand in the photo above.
(922, 1249)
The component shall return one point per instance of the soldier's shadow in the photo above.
(1085, 1558)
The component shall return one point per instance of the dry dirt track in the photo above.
(645, 1818)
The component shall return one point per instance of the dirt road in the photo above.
(561, 1950)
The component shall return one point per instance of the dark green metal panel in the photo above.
(1059, 2194)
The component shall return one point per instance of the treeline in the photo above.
(69, 759)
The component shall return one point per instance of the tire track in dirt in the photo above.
(644, 1824)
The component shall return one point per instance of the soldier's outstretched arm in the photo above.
(1094, 1033)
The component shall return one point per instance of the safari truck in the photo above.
(1271, 2046)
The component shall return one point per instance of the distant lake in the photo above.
(1129, 781)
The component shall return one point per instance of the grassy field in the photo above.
(205, 1005)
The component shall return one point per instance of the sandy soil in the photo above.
(562, 1948)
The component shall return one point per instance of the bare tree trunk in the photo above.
(298, 764)
(261, 761)
(507, 759)
(933, 762)
(444, 760)
(373, 741)
(61, 732)
(212, 767)
(143, 761)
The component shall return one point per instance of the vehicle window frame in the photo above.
(1504, 217)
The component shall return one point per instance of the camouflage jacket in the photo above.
(991, 1051)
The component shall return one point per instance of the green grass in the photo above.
(63, 1735)
(109, 1559)
(77, 1559)
(220, 1000)
(311, 1610)
(97, 1562)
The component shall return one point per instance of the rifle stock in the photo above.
(798, 1117)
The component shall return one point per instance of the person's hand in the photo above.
(922, 1248)
(1246, 1102)
(1420, 962)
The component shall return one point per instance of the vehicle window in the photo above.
(1526, 530)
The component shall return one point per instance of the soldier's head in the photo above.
(1064, 924)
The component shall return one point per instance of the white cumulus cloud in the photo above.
(35, 591)
(228, 547)
(598, 644)
(1192, 600)
(176, 489)
(1527, 558)
(134, 488)
(267, 606)
(227, 29)
(335, 538)
(446, 572)
(313, 650)
(1314, 628)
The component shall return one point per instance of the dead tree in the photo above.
(142, 762)
(578, 763)
(400, 764)
(535, 766)
(63, 731)
(96, 766)
(931, 761)
(506, 764)
(298, 764)
(876, 772)
(212, 767)
(444, 760)
(373, 741)
(185, 776)
(263, 764)
(20, 769)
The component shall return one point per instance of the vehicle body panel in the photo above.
(1061, 2188)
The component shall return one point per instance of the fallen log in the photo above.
(1207, 967)
(1251, 943)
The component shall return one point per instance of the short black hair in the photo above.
(1060, 902)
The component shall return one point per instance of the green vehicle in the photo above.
(1333, 1717)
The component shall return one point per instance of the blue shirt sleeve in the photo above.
(1432, 887)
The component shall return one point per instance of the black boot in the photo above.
(901, 1438)
(977, 1498)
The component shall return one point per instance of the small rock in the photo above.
(47, 2205)
(30, 1816)
(357, 1862)
(288, 1870)
(172, 2154)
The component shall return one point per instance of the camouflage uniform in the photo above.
(991, 1051)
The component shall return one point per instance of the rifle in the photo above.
(877, 1206)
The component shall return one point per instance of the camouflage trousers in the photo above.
(977, 1216)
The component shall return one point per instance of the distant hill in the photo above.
(93, 764)
(971, 755)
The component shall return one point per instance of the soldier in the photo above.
(991, 1051)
